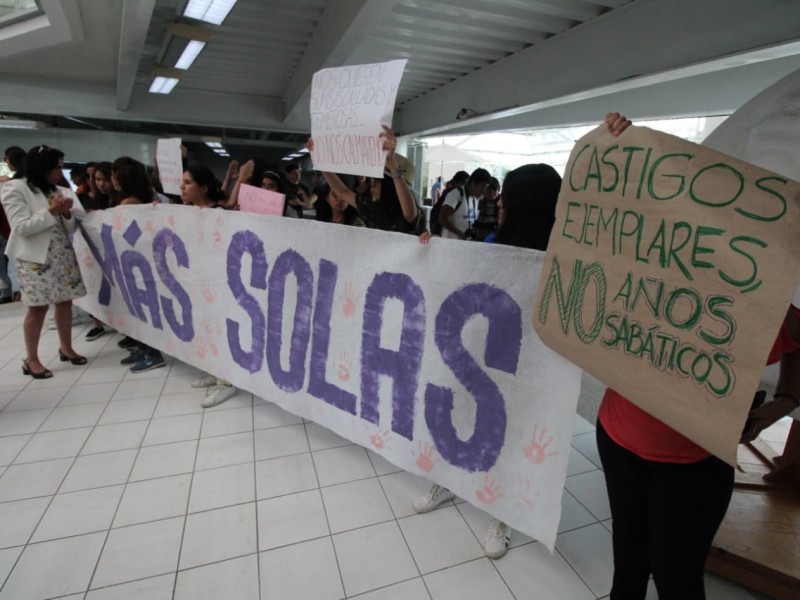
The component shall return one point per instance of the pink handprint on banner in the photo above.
(206, 287)
(536, 451)
(378, 440)
(217, 241)
(349, 299)
(490, 492)
(426, 459)
(344, 366)
(522, 492)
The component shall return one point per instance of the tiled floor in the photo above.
(116, 486)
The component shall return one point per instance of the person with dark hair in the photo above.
(98, 198)
(487, 222)
(338, 209)
(297, 194)
(459, 211)
(249, 173)
(131, 182)
(14, 157)
(78, 177)
(201, 188)
(436, 189)
(41, 215)
(526, 213)
(390, 204)
(107, 195)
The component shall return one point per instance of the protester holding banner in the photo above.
(103, 199)
(389, 205)
(41, 217)
(530, 194)
(338, 210)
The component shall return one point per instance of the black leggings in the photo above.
(665, 516)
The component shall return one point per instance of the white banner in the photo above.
(170, 164)
(348, 106)
(436, 369)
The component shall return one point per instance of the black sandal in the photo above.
(26, 370)
(75, 360)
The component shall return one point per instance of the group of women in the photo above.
(667, 495)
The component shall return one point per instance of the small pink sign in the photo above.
(257, 200)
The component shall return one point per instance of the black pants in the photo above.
(665, 516)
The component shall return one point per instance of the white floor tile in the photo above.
(340, 465)
(224, 486)
(89, 394)
(290, 519)
(373, 557)
(11, 445)
(532, 573)
(118, 436)
(139, 551)
(581, 425)
(322, 438)
(40, 398)
(573, 514)
(97, 470)
(440, 539)
(235, 579)
(590, 490)
(8, 557)
(479, 522)
(578, 463)
(163, 460)
(280, 441)
(474, 580)
(78, 513)
(54, 568)
(127, 410)
(47, 445)
(413, 589)
(225, 450)
(22, 421)
(139, 388)
(225, 422)
(381, 465)
(266, 415)
(284, 572)
(33, 479)
(589, 552)
(219, 534)
(69, 417)
(586, 444)
(112, 374)
(286, 475)
(356, 504)
(173, 429)
(153, 499)
(18, 520)
(185, 403)
(401, 490)
(153, 588)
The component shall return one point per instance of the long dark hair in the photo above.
(15, 156)
(203, 177)
(133, 180)
(39, 161)
(530, 193)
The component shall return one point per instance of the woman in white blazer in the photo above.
(41, 215)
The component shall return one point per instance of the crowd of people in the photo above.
(667, 495)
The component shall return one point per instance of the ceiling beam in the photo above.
(341, 30)
(136, 15)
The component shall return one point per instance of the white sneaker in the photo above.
(497, 539)
(204, 381)
(435, 496)
(217, 395)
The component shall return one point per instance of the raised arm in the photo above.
(407, 203)
(333, 180)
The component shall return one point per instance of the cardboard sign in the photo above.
(437, 370)
(170, 164)
(348, 106)
(258, 200)
(669, 271)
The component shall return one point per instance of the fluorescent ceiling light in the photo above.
(296, 155)
(20, 124)
(163, 85)
(213, 144)
(287, 158)
(210, 11)
(303, 151)
(190, 53)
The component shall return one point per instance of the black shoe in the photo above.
(127, 343)
(75, 360)
(147, 363)
(96, 333)
(134, 357)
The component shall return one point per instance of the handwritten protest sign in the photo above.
(348, 106)
(170, 164)
(261, 201)
(669, 270)
(439, 371)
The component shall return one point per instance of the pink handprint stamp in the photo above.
(170, 345)
(426, 459)
(536, 451)
(378, 440)
(201, 351)
(490, 492)
(349, 299)
(523, 493)
(205, 287)
(117, 222)
(171, 221)
(217, 242)
(149, 228)
(214, 350)
(344, 366)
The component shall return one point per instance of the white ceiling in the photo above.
(515, 63)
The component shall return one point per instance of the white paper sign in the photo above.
(348, 106)
(437, 370)
(170, 164)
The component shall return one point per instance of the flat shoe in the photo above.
(75, 360)
(26, 370)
